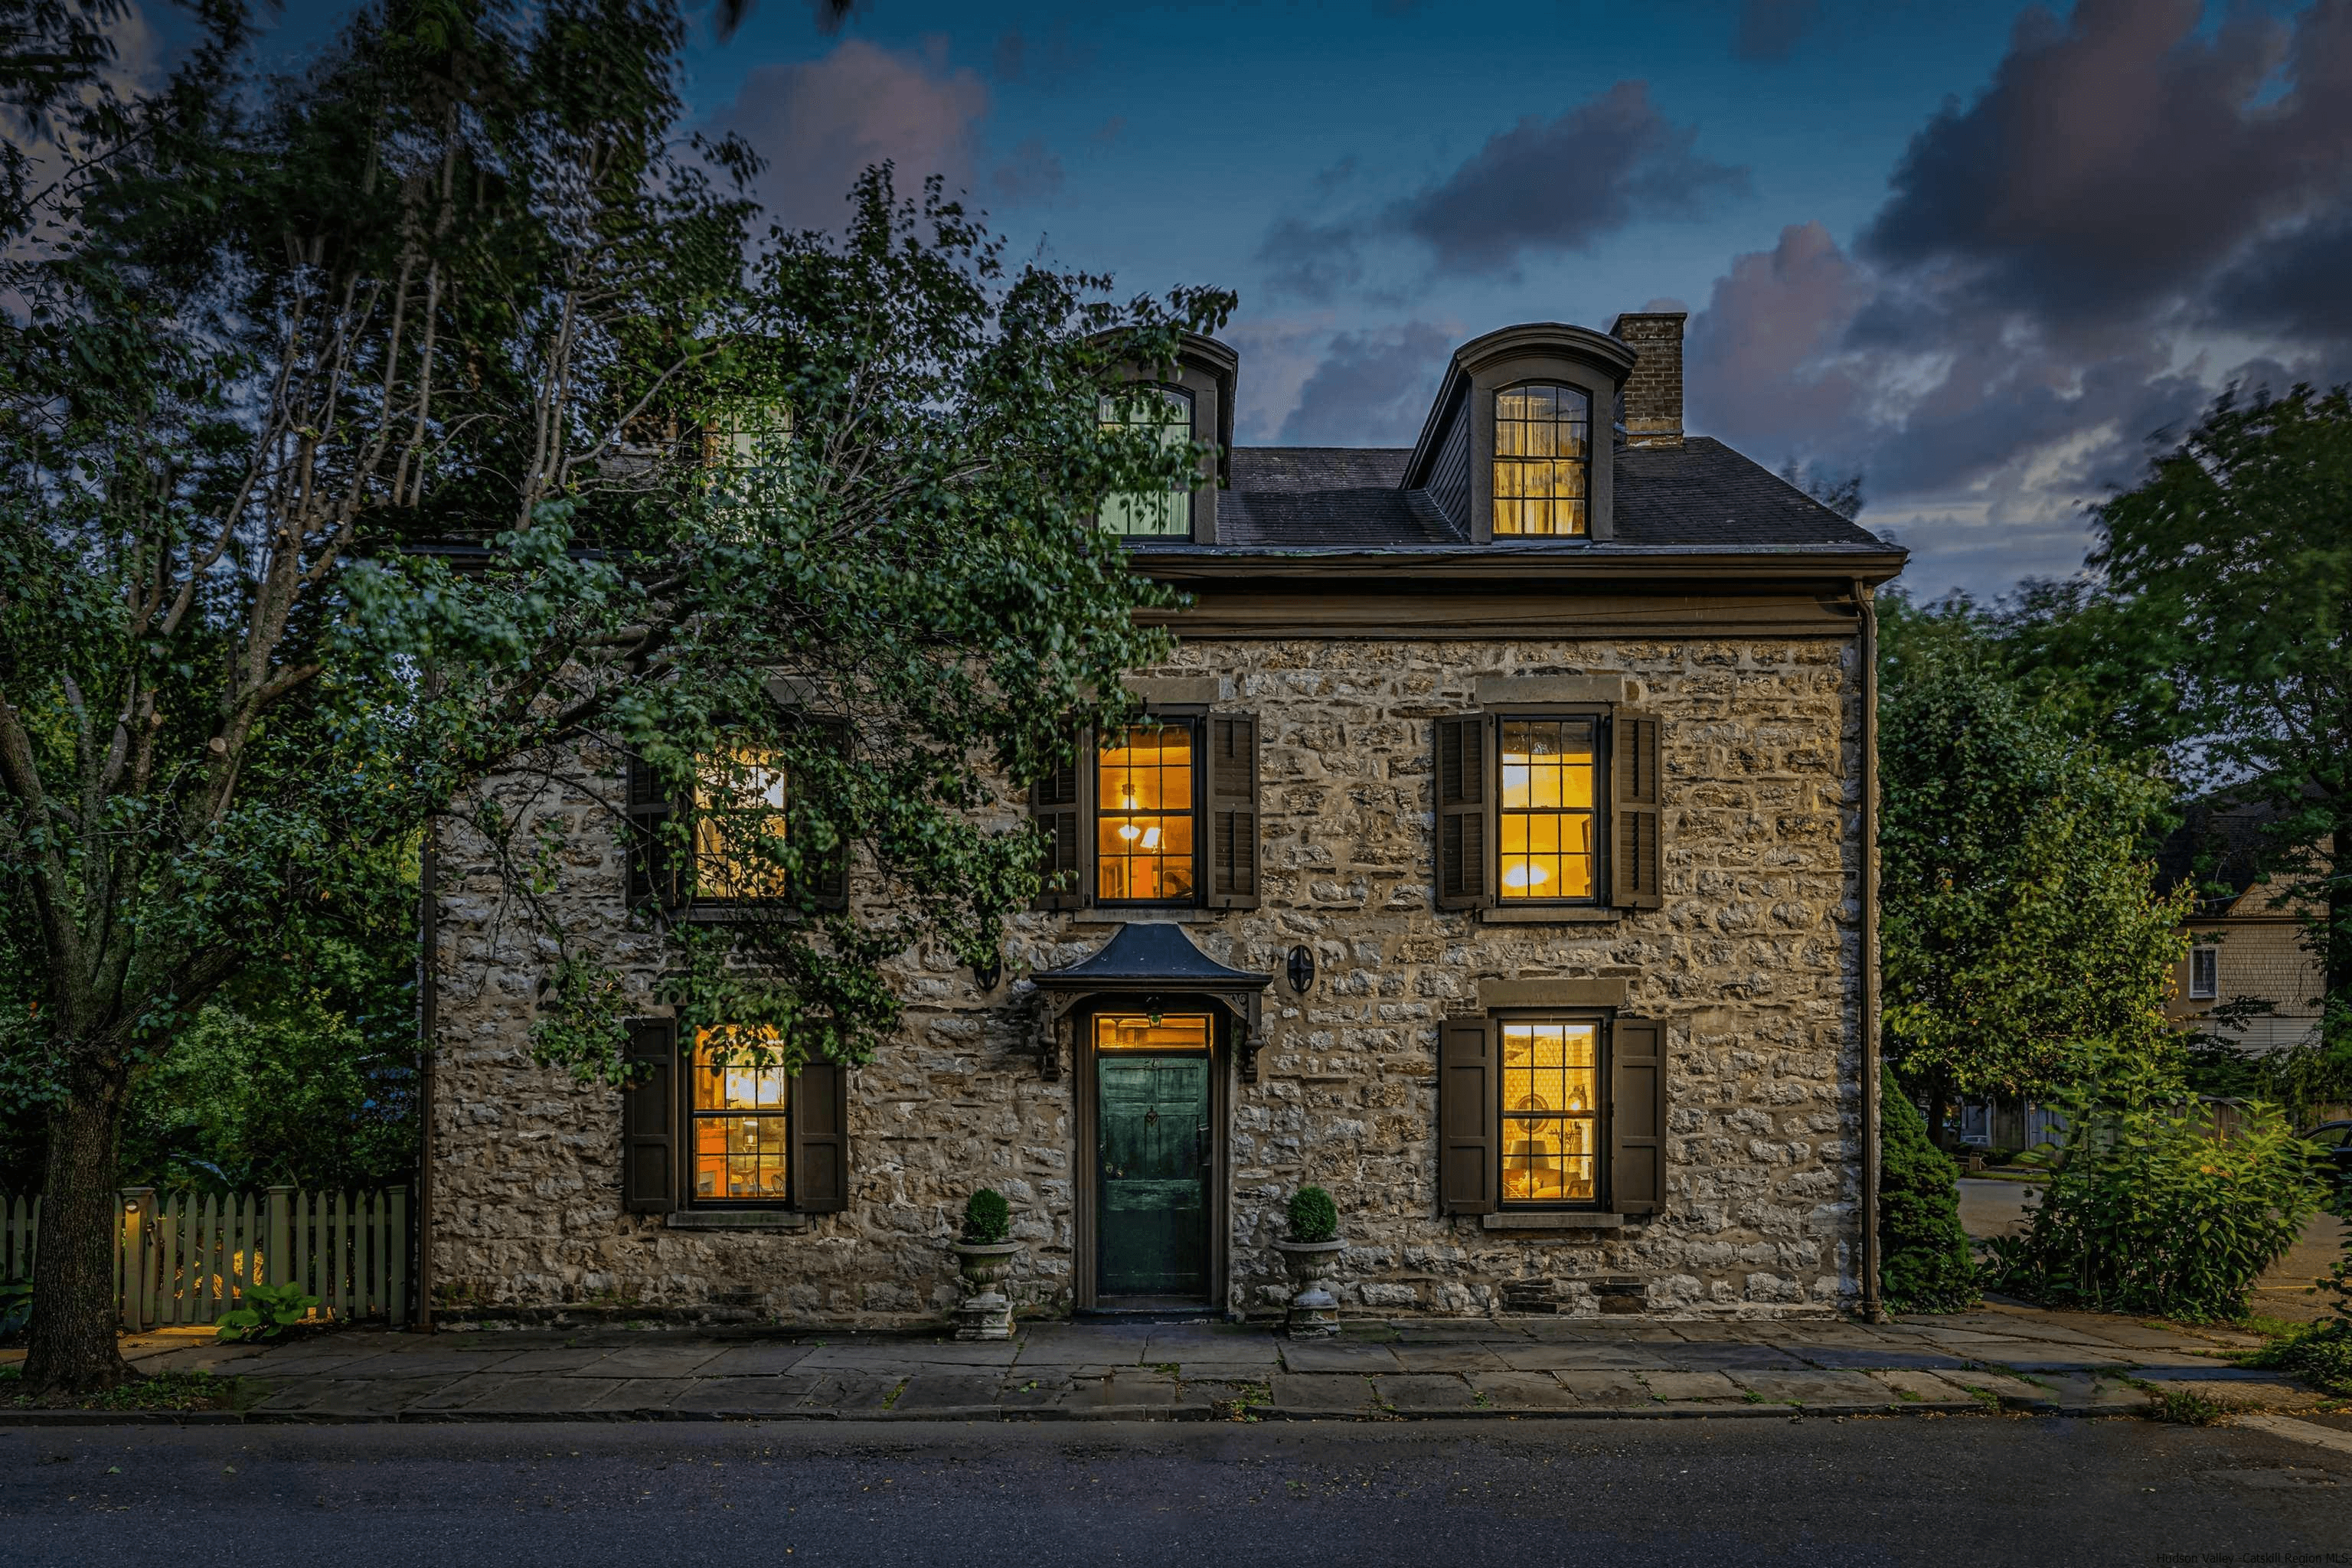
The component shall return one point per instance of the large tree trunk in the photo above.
(75, 1311)
(1940, 1106)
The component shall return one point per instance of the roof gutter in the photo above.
(1484, 562)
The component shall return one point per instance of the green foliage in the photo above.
(1924, 1261)
(2321, 1352)
(2185, 1407)
(165, 1391)
(2150, 1214)
(2025, 950)
(987, 1217)
(2231, 569)
(266, 1312)
(1313, 1215)
(15, 1306)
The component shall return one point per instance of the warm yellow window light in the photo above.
(1550, 1133)
(1143, 848)
(740, 1105)
(1542, 460)
(740, 798)
(1546, 818)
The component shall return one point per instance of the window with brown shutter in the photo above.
(1637, 817)
(1054, 804)
(1637, 1115)
(1460, 800)
(1466, 1116)
(648, 1119)
(1232, 810)
(821, 1137)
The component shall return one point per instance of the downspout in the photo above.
(428, 1022)
(1873, 1310)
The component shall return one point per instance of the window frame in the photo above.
(1601, 1019)
(1603, 780)
(690, 1117)
(1195, 720)
(1494, 457)
(2211, 953)
(1190, 495)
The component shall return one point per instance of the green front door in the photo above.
(1152, 1167)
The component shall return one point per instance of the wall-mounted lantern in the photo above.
(1302, 969)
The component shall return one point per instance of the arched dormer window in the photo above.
(1543, 460)
(1165, 412)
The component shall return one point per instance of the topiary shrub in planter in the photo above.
(1923, 1262)
(987, 1217)
(1313, 1215)
(2148, 1213)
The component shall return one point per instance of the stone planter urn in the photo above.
(1313, 1311)
(986, 1313)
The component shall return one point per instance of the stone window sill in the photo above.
(1145, 914)
(1548, 915)
(1551, 1219)
(719, 914)
(735, 1219)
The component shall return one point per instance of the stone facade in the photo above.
(1753, 964)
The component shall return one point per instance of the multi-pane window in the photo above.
(740, 801)
(1151, 1032)
(1166, 416)
(1550, 1127)
(1546, 817)
(2204, 973)
(739, 1104)
(1143, 818)
(1542, 459)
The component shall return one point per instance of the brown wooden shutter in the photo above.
(1637, 1115)
(649, 1118)
(1054, 803)
(1233, 811)
(1468, 1112)
(1637, 854)
(653, 874)
(827, 887)
(820, 1109)
(1461, 795)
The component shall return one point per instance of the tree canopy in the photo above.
(360, 431)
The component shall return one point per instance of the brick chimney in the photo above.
(1654, 391)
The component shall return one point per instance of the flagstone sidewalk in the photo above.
(1997, 1358)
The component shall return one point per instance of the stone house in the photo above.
(1497, 855)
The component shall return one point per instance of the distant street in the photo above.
(1712, 1493)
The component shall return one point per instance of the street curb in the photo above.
(1157, 1414)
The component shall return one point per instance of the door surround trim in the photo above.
(1085, 1196)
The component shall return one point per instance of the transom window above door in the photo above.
(1151, 1032)
(1144, 838)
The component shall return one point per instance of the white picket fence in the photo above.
(188, 1259)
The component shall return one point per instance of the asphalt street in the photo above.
(1968, 1489)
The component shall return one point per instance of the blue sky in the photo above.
(1979, 252)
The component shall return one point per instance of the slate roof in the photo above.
(1701, 494)
(1149, 954)
(2220, 840)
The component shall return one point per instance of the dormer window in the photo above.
(1165, 412)
(1543, 460)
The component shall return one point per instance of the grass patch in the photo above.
(167, 1391)
(1166, 1368)
(2185, 1407)
(2319, 1353)
(891, 1398)
(1249, 1399)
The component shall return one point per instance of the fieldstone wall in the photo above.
(1753, 964)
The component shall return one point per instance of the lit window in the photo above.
(1542, 456)
(1546, 815)
(1147, 1032)
(739, 802)
(1168, 414)
(2204, 973)
(1552, 1079)
(1143, 833)
(741, 1110)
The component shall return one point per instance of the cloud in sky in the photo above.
(2055, 275)
(1542, 187)
(819, 123)
(1771, 30)
(1371, 389)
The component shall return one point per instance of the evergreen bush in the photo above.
(2150, 1212)
(1924, 1263)
(987, 1217)
(1313, 1215)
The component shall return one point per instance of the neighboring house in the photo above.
(2242, 945)
(1493, 856)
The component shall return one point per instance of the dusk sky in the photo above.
(1978, 251)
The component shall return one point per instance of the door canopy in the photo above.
(1156, 968)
